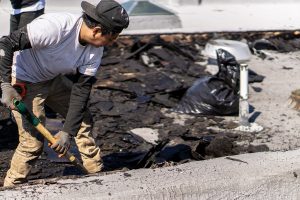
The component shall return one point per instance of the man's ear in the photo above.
(96, 30)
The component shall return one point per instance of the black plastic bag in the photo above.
(229, 69)
(209, 95)
(214, 95)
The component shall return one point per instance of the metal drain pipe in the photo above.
(243, 103)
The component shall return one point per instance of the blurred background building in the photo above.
(189, 16)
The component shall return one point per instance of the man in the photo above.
(51, 46)
(24, 11)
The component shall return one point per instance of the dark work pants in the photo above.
(22, 19)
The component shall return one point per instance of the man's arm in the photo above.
(17, 40)
(78, 102)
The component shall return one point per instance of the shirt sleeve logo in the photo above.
(89, 70)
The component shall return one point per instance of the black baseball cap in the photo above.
(108, 13)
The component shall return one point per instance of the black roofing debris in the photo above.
(161, 69)
(142, 78)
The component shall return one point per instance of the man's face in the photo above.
(98, 39)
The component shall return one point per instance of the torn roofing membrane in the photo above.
(140, 8)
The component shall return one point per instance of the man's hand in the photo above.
(62, 143)
(8, 94)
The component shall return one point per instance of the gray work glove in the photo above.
(8, 94)
(62, 144)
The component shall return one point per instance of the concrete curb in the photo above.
(268, 175)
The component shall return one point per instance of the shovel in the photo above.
(21, 108)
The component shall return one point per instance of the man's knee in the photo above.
(30, 146)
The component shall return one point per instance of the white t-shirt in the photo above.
(55, 50)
